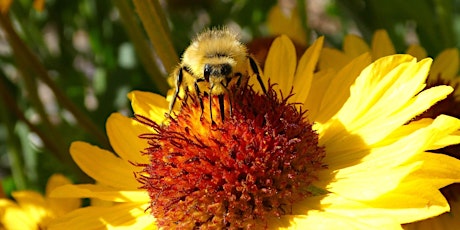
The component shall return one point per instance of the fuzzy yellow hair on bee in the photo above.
(214, 61)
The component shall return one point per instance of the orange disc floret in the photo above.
(233, 174)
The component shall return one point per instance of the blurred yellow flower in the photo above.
(5, 5)
(33, 211)
(376, 171)
(285, 19)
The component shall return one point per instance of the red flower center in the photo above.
(236, 173)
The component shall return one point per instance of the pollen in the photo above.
(236, 173)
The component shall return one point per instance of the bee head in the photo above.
(217, 71)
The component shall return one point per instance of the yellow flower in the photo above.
(443, 72)
(284, 18)
(32, 210)
(366, 165)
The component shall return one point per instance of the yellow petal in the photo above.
(287, 23)
(448, 140)
(13, 217)
(432, 174)
(338, 90)
(120, 216)
(101, 192)
(365, 213)
(104, 166)
(281, 64)
(449, 125)
(446, 221)
(359, 156)
(417, 51)
(445, 65)
(332, 221)
(332, 59)
(408, 203)
(365, 184)
(320, 83)
(388, 84)
(404, 130)
(354, 46)
(60, 206)
(55, 181)
(124, 137)
(365, 84)
(453, 82)
(415, 106)
(411, 202)
(304, 72)
(33, 203)
(149, 105)
(347, 168)
(382, 45)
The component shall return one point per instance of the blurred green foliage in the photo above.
(94, 52)
(432, 20)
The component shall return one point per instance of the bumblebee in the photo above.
(214, 61)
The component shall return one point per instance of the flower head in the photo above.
(251, 167)
(370, 166)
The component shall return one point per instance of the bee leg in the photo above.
(230, 95)
(238, 82)
(231, 104)
(255, 69)
(198, 94)
(176, 91)
(210, 104)
(222, 106)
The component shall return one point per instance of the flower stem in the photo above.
(154, 21)
(13, 146)
(141, 45)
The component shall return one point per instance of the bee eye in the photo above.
(207, 71)
(226, 69)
